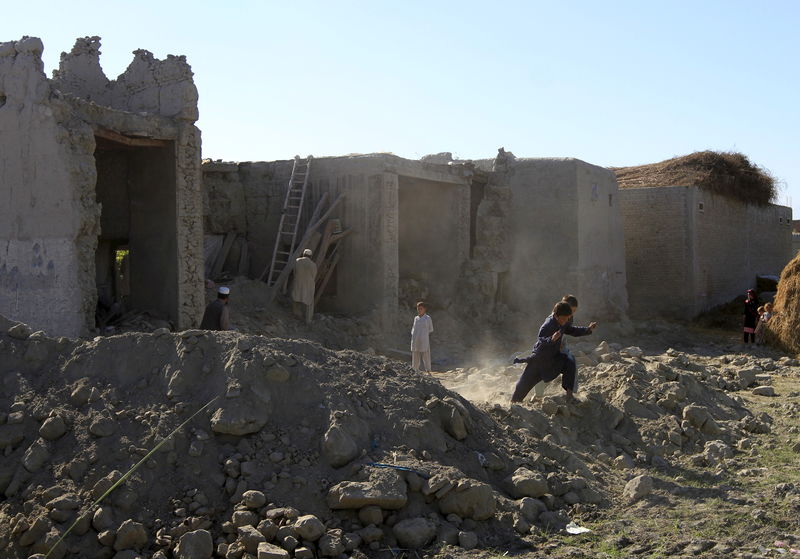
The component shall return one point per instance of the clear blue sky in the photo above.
(613, 83)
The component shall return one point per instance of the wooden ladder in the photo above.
(286, 240)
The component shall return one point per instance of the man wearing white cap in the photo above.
(305, 278)
(217, 316)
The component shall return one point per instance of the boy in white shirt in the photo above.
(420, 342)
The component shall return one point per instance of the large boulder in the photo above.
(527, 483)
(240, 416)
(385, 489)
(270, 551)
(452, 416)
(746, 377)
(195, 545)
(716, 451)
(130, 535)
(338, 446)
(637, 488)
(476, 502)
(309, 527)
(700, 418)
(414, 533)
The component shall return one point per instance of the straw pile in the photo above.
(785, 325)
(729, 174)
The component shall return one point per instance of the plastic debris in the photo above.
(573, 528)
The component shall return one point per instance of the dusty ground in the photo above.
(669, 453)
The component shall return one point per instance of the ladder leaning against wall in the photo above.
(286, 240)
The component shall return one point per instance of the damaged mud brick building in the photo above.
(688, 249)
(100, 188)
(483, 235)
(411, 222)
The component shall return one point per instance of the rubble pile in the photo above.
(309, 452)
(637, 409)
(305, 451)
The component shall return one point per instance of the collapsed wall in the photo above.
(688, 249)
(91, 167)
(485, 239)
(410, 222)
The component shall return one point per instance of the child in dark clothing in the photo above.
(547, 361)
(750, 316)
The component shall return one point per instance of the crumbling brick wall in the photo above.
(48, 218)
(688, 250)
(49, 215)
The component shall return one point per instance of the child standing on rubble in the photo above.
(547, 361)
(420, 338)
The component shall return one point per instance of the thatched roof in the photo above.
(727, 173)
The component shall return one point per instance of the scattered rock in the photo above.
(251, 538)
(527, 483)
(254, 499)
(475, 502)
(269, 551)
(197, 544)
(309, 527)
(103, 426)
(20, 331)
(53, 428)
(36, 456)
(637, 488)
(414, 533)
(385, 489)
(130, 535)
(764, 391)
(338, 446)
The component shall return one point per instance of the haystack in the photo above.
(729, 174)
(785, 325)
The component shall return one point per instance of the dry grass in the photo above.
(729, 174)
(785, 325)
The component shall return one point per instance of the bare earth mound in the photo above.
(726, 173)
(308, 452)
(785, 326)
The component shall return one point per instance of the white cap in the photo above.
(224, 290)
(307, 252)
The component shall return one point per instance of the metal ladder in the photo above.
(285, 242)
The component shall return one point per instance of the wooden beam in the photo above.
(130, 141)
(284, 275)
(223, 254)
(328, 274)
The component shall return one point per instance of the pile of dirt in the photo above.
(305, 451)
(729, 174)
(785, 324)
(296, 435)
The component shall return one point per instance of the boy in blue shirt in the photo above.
(547, 360)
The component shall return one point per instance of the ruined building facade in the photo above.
(100, 195)
(479, 237)
(688, 250)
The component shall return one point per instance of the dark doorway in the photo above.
(136, 259)
(428, 231)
